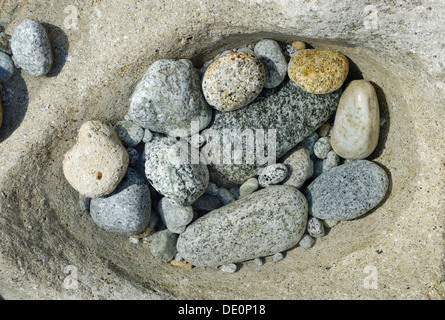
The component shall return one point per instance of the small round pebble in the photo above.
(163, 245)
(318, 71)
(6, 67)
(31, 48)
(249, 187)
(259, 261)
(175, 217)
(148, 136)
(307, 241)
(129, 133)
(233, 81)
(225, 196)
(299, 45)
(277, 257)
(272, 175)
(315, 228)
(330, 223)
(271, 55)
(323, 131)
(134, 240)
(332, 160)
(229, 268)
(322, 147)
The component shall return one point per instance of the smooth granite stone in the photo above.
(348, 191)
(175, 217)
(293, 113)
(273, 174)
(163, 245)
(173, 171)
(271, 55)
(266, 222)
(357, 123)
(31, 48)
(168, 99)
(299, 165)
(127, 210)
(248, 187)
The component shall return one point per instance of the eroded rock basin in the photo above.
(45, 239)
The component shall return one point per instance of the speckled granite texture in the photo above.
(102, 51)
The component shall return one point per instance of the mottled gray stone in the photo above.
(228, 268)
(127, 210)
(6, 67)
(273, 174)
(271, 55)
(225, 196)
(332, 160)
(299, 165)
(206, 203)
(277, 257)
(307, 241)
(293, 113)
(31, 48)
(129, 133)
(212, 189)
(173, 172)
(236, 192)
(348, 191)
(175, 217)
(266, 222)
(163, 245)
(148, 136)
(330, 223)
(259, 261)
(249, 187)
(322, 147)
(315, 228)
(168, 99)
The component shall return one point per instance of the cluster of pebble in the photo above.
(28, 48)
(213, 214)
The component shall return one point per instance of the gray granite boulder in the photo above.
(348, 191)
(127, 210)
(168, 99)
(266, 222)
(173, 171)
(293, 113)
(31, 48)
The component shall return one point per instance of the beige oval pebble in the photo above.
(299, 45)
(318, 70)
(97, 162)
(233, 81)
(357, 123)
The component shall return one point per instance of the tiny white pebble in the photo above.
(229, 268)
(277, 257)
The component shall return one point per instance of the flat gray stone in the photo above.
(293, 113)
(348, 191)
(169, 98)
(6, 67)
(266, 222)
(173, 173)
(271, 55)
(163, 245)
(127, 210)
(31, 48)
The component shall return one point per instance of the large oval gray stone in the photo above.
(289, 110)
(168, 98)
(348, 191)
(127, 210)
(266, 222)
(174, 172)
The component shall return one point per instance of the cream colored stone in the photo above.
(299, 45)
(97, 162)
(357, 123)
(318, 70)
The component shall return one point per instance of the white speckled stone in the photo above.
(273, 174)
(168, 98)
(348, 191)
(315, 228)
(6, 67)
(228, 268)
(96, 164)
(277, 257)
(233, 81)
(271, 55)
(357, 123)
(300, 167)
(307, 241)
(31, 48)
(322, 147)
(266, 222)
(178, 178)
